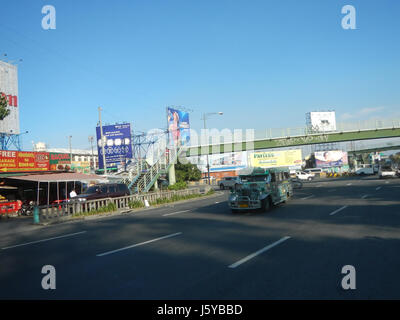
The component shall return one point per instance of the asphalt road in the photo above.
(200, 250)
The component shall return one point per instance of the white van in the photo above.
(364, 169)
(314, 171)
(386, 172)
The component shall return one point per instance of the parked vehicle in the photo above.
(301, 175)
(386, 172)
(260, 189)
(314, 171)
(364, 169)
(104, 190)
(229, 182)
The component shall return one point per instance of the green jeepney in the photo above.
(260, 189)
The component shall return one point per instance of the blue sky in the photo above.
(263, 63)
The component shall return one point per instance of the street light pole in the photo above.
(102, 143)
(205, 128)
(91, 144)
(70, 149)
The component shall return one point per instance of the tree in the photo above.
(4, 111)
(187, 172)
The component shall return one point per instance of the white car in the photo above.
(386, 172)
(301, 175)
(365, 169)
(229, 182)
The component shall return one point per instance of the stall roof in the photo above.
(58, 177)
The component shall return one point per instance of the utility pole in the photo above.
(102, 143)
(205, 129)
(91, 138)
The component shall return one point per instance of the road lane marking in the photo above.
(349, 184)
(364, 196)
(170, 214)
(138, 244)
(378, 188)
(251, 256)
(386, 182)
(307, 197)
(43, 240)
(336, 211)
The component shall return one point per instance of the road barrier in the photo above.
(58, 211)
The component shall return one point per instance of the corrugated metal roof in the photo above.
(60, 177)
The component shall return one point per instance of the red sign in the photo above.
(22, 161)
(12, 100)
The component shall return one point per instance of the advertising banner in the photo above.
(271, 159)
(321, 121)
(118, 144)
(327, 159)
(9, 90)
(221, 162)
(21, 161)
(59, 161)
(178, 127)
(81, 166)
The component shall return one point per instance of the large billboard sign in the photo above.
(60, 161)
(22, 161)
(9, 89)
(328, 159)
(178, 127)
(118, 144)
(273, 159)
(221, 162)
(321, 121)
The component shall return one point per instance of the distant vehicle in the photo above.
(386, 172)
(314, 171)
(364, 169)
(260, 189)
(104, 190)
(376, 168)
(301, 175)
(229, 182)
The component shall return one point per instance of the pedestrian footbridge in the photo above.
(292, 137)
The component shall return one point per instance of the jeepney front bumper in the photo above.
(244, 203)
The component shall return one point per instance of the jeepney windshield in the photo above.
(260, 178)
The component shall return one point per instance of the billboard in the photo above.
(22, 161)
(9, 89)
(221, 162)
(118, 144)
(81, 166)
(327, 159)
(59, 161)
(178, 127)
(321, 121)
(272, 159)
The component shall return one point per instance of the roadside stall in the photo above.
(44, 189)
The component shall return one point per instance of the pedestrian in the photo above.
(72, 194)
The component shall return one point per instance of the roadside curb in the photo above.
(70, 219)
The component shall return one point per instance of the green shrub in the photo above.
(135, 204)
(210, 192)
(178, 186)
(111, 207)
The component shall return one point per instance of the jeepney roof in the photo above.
(261, 171)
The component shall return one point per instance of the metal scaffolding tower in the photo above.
(141, 142)
(10, 141)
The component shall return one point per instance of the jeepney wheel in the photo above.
(234, 210)
(266, 204)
